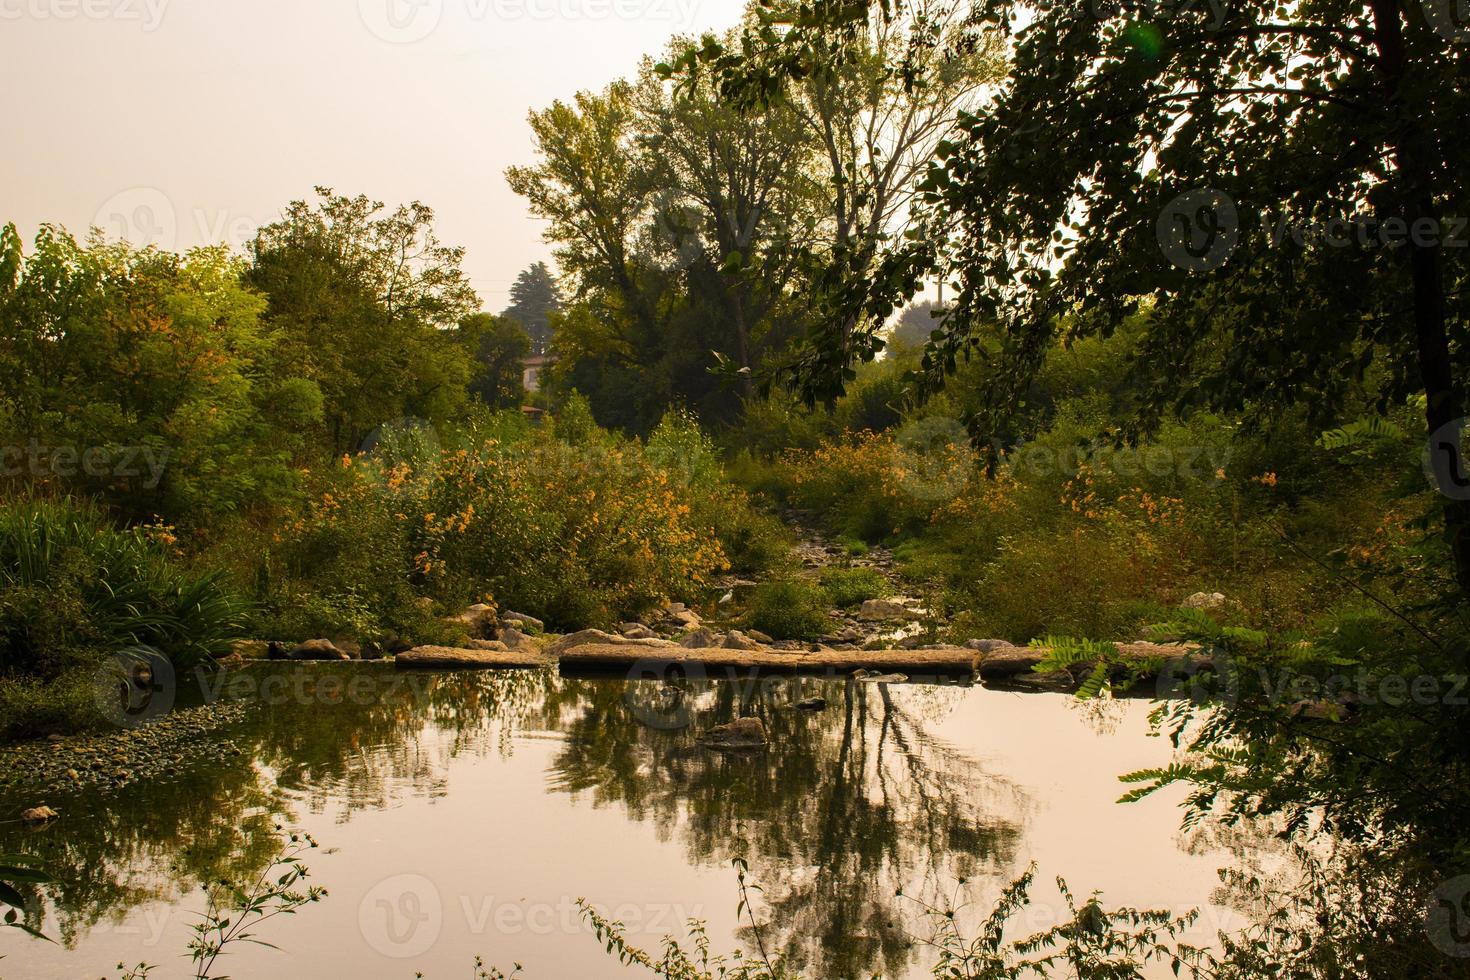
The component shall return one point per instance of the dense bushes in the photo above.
(75, 589)
(568, 523)
(790, 609)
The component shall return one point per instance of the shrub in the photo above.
(790, 609)
(853, 586)
(72, 585)
(75, 589)
(590, 532)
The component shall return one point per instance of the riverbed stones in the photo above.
(887, 611)
(742, 734)
(637, 631)
(700, 639)
(990, 646)
(36, 816)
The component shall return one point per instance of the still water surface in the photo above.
(464, 814)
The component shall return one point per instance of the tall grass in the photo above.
(74, 587)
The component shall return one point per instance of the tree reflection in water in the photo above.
(846, 807)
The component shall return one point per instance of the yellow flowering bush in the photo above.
(584, 534)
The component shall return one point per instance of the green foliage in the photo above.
(790, 609)
(853, 586)
(73, 585)
(499, 347)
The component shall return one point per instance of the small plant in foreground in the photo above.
(235, 909)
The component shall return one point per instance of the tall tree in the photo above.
(365, 302)
(1282, 183)
(533, 301)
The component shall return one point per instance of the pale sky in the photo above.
(181, 122)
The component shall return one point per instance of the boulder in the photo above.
(637, 631)
(310, 650)
(489, 645)
(886, 610)
(1205, 601)
(740, 734)
(584, 638)
(478, 620)
(528, 623)
(736, 640)
(760, 637)
(519, 642)
(700, 639)
(39, 815)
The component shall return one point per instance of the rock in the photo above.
(846, 636)
(1204, 600)
(489, 645)
(56, 738)
(530, 624)
(811, 704)
(250, 649)
(742, 733)
(517, 641)
(989, 646)
(637, 631)
(39, 815)
(760, 637)
(736, 640)
(478, 620)
(868, 678)
(886, 610)
(312, 650)
(598, 638)
(452, 658)
(700, 639)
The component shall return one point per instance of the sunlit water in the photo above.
(464, 814)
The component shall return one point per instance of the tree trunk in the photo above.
(1445, 406)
